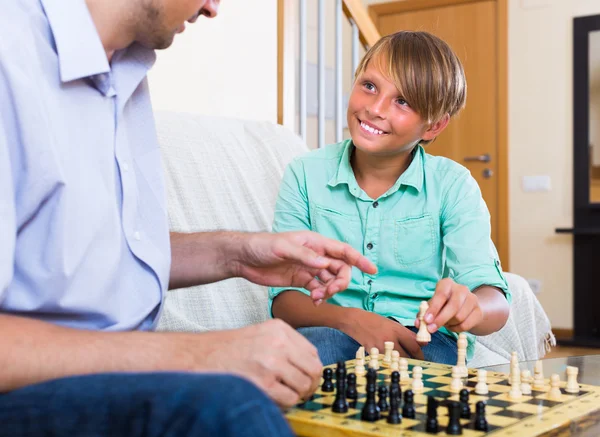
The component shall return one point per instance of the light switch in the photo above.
(532, 184)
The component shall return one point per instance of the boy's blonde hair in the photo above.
(427, 73)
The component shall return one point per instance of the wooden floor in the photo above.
(566, 351)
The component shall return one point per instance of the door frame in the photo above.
(394, 7)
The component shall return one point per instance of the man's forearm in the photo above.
(203, 257)
(298, 310)
(34, 351)
(495, 310)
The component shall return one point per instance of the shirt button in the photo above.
(375, 204)
(370, 246)
(125, 166)
(137, 236)
(370, 281)
(374, 296)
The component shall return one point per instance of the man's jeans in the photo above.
(147, 404)
(334, 345)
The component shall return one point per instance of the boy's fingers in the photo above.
(443, 291)
(450, 309)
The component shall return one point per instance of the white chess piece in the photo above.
(461, 363)
(423, 335)
(360, 353)
(395, 366)
(404, 376)
(374, 358)
(389, 347)
(538, 376)
(515, 380)
(514, 360)
(554, 393)
(572, 385)
(525, 382)
(417, 383)
(481, 388)
(456, 385)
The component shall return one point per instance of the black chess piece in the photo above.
(383, 393)
(370, 411)
(454, 427)
(465, 410)
(432, 425)
(394, 416)
(340, 404)
(327, 385)
(351, 392)
(395, 386)
(408, 410)
(481, 423)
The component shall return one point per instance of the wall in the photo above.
(225, 66)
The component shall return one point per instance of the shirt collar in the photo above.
(413, 176)
(80, 51)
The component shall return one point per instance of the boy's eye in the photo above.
(369, 86)
(402, 102)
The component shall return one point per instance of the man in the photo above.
(85, 254)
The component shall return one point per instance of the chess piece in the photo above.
(538, 376)
(327, 385)
(555, 394)
(514, 362)
(480, 420)
(417, 383)
(389, 347)
(408, 410)
(423, 335)
(351, 392)
(395, 388)
(431, 425)
(374, 359)
(394, 416)
(525, 385)
(360, 369)
(465, 410)
(481, 388)
(456, 385)
(461, 362)
(454, 426)
(383, 393)
(515, 382)
(404, 376)
(572, 385)
(360, 353)
(395, 365)
(340, 404)
(370, 411)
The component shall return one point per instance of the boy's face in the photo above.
(379, 120)
(161, 20)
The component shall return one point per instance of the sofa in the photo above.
(224, 174)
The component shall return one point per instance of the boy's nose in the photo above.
(211, 8)
(377, 107)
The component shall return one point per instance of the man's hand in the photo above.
(454, 307)
(372, 330)
(300, 259)
(274, 356)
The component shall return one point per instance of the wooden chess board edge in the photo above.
(577, 426)
(306, 428)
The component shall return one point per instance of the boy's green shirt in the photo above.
(431, 224)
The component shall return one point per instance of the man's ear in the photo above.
(436, 128)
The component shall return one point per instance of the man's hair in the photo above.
(427, 73)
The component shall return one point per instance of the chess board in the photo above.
(531, 415)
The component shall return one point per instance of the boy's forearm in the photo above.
(298, 310)
(495, 310)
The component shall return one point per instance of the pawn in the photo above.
(374, 358)
(389, 347)
(572, 385)
(394, 416)
(423, 336)
(383, 393)
(417, 384)
(465, 411)
(404, 376)
(327, 385)
(408, 410)
(538, 376)
(432, 426)
(351, 392)
(525, 385)
(555, 394)
(481, 388)
(481, 423)
(395, 365)
(456, 383)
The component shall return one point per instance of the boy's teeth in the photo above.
(370, 129)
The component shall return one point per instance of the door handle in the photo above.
(479, 158)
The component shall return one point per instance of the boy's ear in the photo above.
(436, 128)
